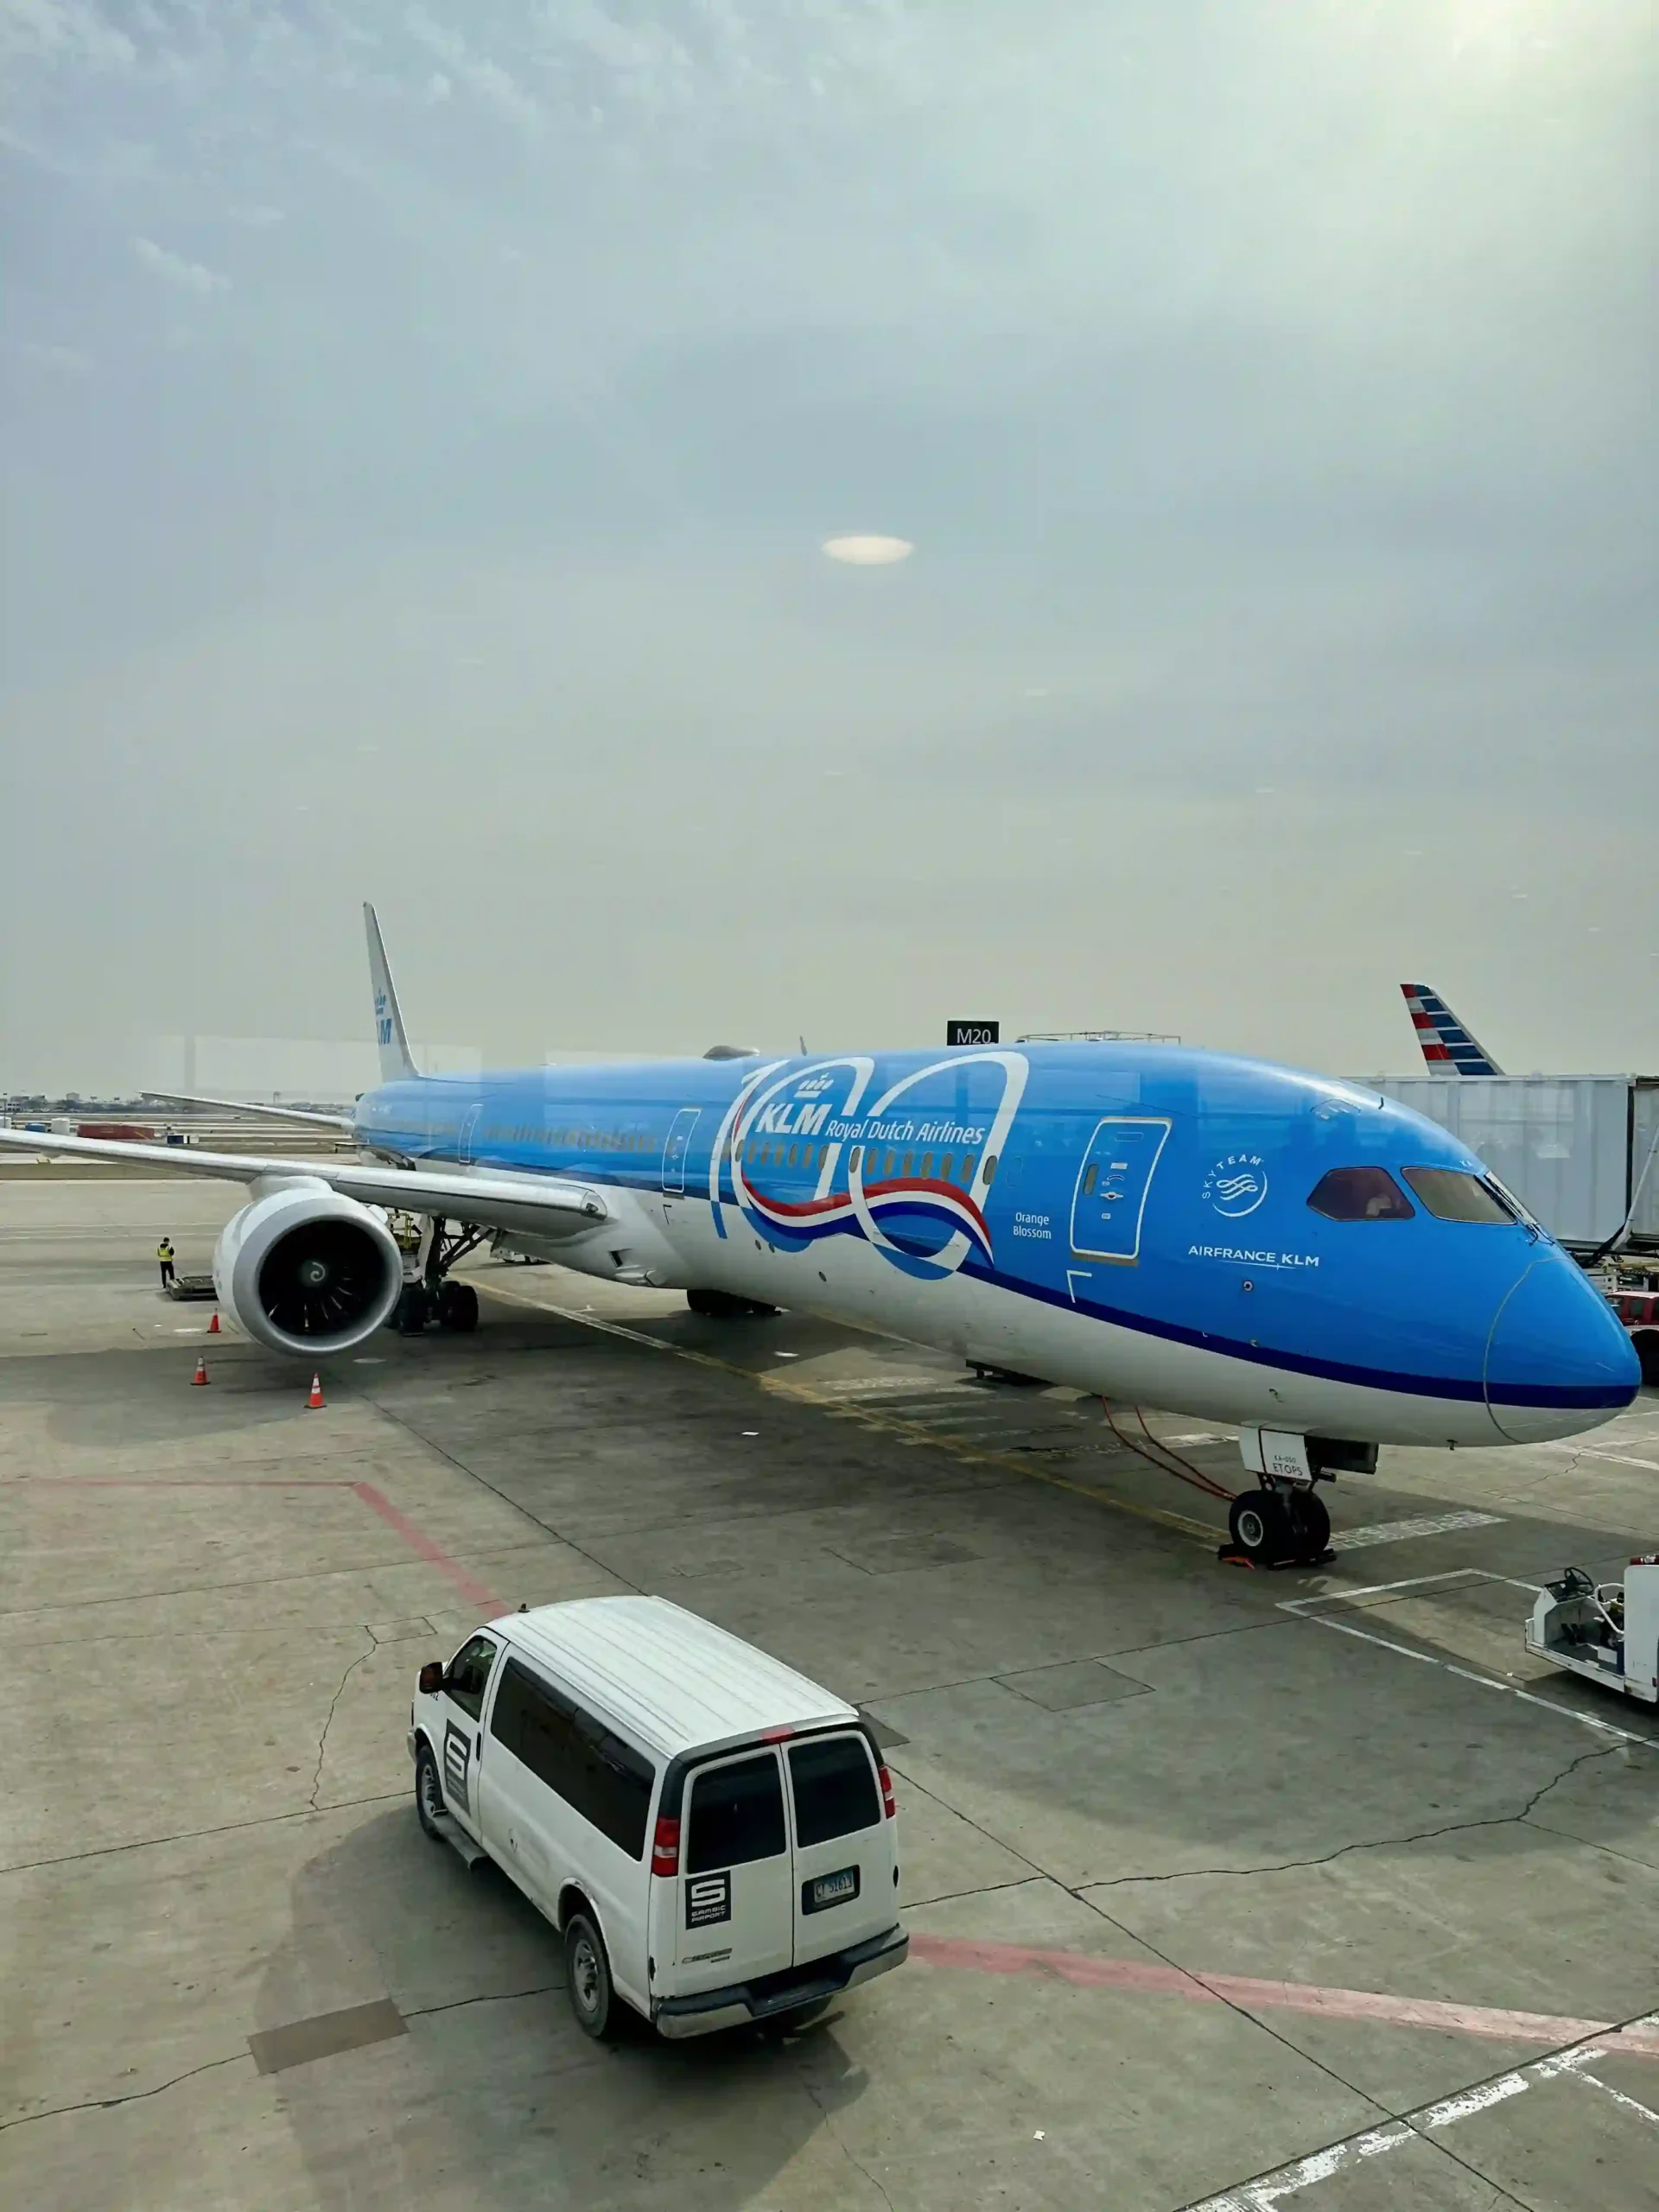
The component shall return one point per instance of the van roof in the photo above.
(672, 1679)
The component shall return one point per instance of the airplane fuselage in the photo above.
(1132, 1221)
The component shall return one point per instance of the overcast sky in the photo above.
(420, 426)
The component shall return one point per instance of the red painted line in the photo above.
(171, 1481)
(1145, 1977)
(472, 1589)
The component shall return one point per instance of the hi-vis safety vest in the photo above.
(164, 1250)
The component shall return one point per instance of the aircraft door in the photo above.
(1109, 1199)
(676, 1150)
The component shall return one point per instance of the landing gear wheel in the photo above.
(1259, 1524)
(1310, 1527)
(457, 1306)
(588, 1976)
(412, 1310)
(428, 1794)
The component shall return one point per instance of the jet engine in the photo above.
(304, 1271)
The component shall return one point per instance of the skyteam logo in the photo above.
(1237, 1184)
(812, 1155)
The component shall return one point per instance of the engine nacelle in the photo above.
(304, 1271)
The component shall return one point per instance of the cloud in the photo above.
(174, 268)
(868, 552)
(65, 30)
(258, 218)
(60, 360)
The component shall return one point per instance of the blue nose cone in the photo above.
(1558, 1360)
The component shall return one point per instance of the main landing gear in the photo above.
(435, 1297)
(1279, 1526)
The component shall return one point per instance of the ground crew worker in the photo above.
(164, 1260)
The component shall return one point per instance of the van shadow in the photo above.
(494, 2089)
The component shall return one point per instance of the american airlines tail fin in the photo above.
(1448, 1046)
(388, 1033)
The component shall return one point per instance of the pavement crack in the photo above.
(323, 1740)
(484, 1997)
(839, 2140)
(132, 2097)
(1363, 1843)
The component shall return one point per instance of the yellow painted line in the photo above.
(908, 1432)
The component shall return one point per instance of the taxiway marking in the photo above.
(1268, 2189)
(1247, 1994)
(1298, 1607)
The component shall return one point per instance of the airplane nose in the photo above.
(1558, 1361)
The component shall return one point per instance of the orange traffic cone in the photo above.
(312, 1404)
(212, 1327)
(201, 1374)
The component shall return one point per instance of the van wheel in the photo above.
(587, 1972)
(428, 1794)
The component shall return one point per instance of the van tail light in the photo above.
(666, 1849)
(887, 1805)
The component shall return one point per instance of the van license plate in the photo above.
(830, 1889)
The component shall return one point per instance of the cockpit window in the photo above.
(1360, 1194)
(1453, 1194)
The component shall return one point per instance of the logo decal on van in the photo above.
(707, 1898)
(457, 1750)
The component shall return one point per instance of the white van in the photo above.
(713, 1835)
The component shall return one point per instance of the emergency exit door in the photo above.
(1109, 1199)
(678, 1145)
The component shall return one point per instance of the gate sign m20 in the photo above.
(973, 1032)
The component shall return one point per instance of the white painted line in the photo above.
(1599, 1452)
(885, 1386)
(1452, 2109)
(1425, 1658)
(1375, 1589)
(1343, 1627)
(1595, 2081)
(1402, 1532)
(1320, 2165)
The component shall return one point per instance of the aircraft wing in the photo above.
(543, 1205)
(265, 1113)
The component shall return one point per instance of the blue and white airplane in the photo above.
(1215, 1235)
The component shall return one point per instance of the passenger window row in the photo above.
(758, 1153)
(579, 1758)
(574, 1139)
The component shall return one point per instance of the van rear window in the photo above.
(835, 1789)
(737, 1815)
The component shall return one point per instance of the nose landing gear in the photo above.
(1278, 1526)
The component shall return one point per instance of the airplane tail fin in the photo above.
(1448, 1047)
(390, 1036)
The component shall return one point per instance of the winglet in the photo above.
(1448, 1047)
(388, 1033)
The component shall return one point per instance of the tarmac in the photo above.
(1226, 1890)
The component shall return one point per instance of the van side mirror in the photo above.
(431, 1678)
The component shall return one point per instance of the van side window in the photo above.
(737, 1815)
(599, 1776)
(835, 1789)
(468, 1674)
